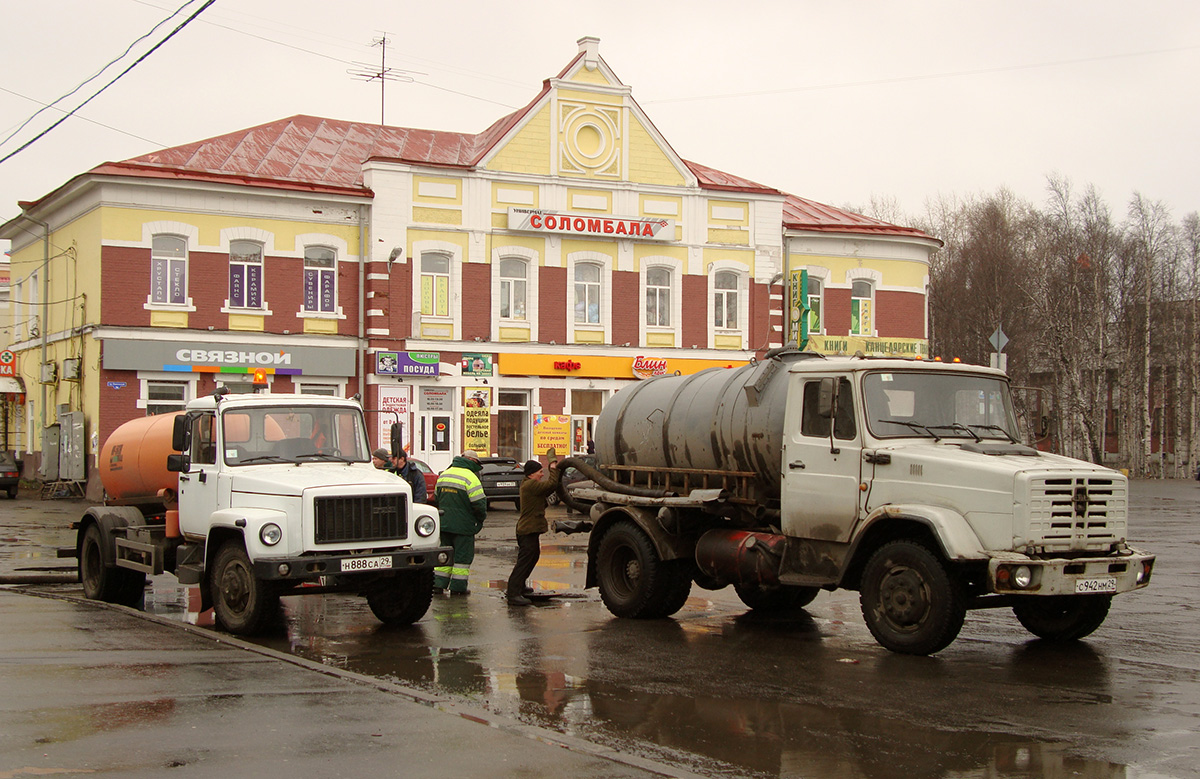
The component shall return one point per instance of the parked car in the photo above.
(501, 478)
(430, 477)
(10, 475)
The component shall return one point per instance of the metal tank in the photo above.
(133, 461)
(721, 419)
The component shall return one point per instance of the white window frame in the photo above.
(604, 327)
(261, 308)
(166, 261)
(724, 294)
(742, 329)
(320, 270)
(652, 288)
(145, 379)
(871, 299)
(530, 257)
(453, 320)
(190, 234)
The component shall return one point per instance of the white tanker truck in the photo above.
(901, 479)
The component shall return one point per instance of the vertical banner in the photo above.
(551, 431)
(477, 419)
(394, 399)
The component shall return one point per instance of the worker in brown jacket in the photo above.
(536, 487)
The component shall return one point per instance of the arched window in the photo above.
(320, 280)
(435, 284)
(245, 274)
(815, 295)
(725, 300)
(862, 308)
(168, 270)
(658, 297)
(513, 275)
(587, 293)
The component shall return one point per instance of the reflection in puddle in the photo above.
(557, 666)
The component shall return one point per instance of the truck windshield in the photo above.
(938, 405)
(293, 434)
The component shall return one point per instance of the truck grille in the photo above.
(1077, 514)
(360, 518)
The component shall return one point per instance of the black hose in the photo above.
(603, 482)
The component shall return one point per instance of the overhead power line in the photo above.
(95, 94)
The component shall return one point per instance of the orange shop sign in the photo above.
(598, 367)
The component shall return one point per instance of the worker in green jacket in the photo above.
(463, 506)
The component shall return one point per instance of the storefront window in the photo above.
(585, 407)
(165, 397)
(512, 424)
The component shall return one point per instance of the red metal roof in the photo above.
(311, 153)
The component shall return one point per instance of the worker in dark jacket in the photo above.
(463, 506)
(536, 487)
(409, 472)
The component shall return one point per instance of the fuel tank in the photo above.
(133, 461)
(723, 419)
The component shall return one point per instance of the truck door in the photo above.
(822, 460)
(198, 489)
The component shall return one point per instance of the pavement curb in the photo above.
(444, 704)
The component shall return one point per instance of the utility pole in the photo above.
(363, 71)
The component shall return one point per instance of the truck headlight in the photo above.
(270, 534)
(1022, 577)
(425, 526)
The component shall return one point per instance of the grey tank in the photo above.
(721, 419)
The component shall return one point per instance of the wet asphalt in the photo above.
(715, 691)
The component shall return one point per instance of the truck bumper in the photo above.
(1124, 571)
(347, 564)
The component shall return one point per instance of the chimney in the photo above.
(589, 47)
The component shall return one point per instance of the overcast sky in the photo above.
(833, 101)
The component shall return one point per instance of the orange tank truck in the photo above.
(133, 461)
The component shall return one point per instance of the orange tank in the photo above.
(133, 461)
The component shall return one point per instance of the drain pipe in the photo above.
(44, 326)
(362, 303)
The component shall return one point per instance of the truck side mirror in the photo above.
(825, 398)
(179, 463)
(397, 444)
(181, 433)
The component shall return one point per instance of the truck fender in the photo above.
(247, 522)
(109, 518)
(949, 530)
(667, 546)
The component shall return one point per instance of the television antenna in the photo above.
(364, 71)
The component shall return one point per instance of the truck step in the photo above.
(189, 573)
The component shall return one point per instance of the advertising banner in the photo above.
(477, 419)
(393, 399)
(551, 431)
(406, 363)
(476, 364)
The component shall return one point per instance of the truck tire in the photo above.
(243, 604)
(780, 597)
(910, 602)
(632, 579)
(675, 589)
(1062, 617)
(102, 581)
(402, 600)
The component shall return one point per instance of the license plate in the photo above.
(1105, 584)
(366, 564)
(506, 484)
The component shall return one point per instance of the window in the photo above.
(306, 388)
(587, 293)
(320, 280)
(435, 285)
(512, 288)
(814, 305)
(245, 274)
(813, 424)
(512, 424)
(658, 297)
(204, 444)
(585, 407)
(164, 397)
(168, 270)
(725, 300)
(862, 314)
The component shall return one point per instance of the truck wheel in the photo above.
(403, 599)
(1062, 617)
(630, 573)
(909, 600)
(780, 597)
(675, 589)
(243, 604)
(105, 582)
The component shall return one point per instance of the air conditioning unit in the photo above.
(71, 367)
(49, 372)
